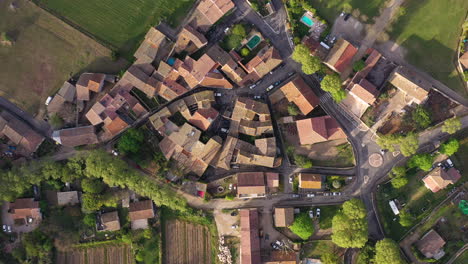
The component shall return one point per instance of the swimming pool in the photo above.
(253, 42)
(307, 20)
(171, 61)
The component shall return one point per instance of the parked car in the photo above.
(226, 30)
(317, 214)
(9, 229)
(252, 86)
(310, 195)
(47, 102)
(311, 213)
(234, 226)
(218, 94)
(291, 179)
(277, 83)
(230, 186)
(274, 246)
(257, 97)
(382, 151)
(449, 163)
(115, 152)
(295, 195)
(270, 87)
(4, 228)
(224, 130)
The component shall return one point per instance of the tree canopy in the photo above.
(409, 144)
(302, 226)
(406, 219)
(421, 117)
(332, 84)
(310, 64)
(302, 161)
(350, 225)
(399, 182)
(399, 177)
(366, 255)
(387, 252)
(131, 141)
(422, 161)
(450, 147)
(451, 125)
(329, 258)
(293, 109)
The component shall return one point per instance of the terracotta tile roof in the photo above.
(310, 181)
(365, 90)
(203, 118)
(438, 178)
(141, 210)
(298, 92)
(341, 55)
(75, 136)
(188, 36)
(110, 221)
(116, 125)
(251, 183)
(414, 86)
(272, 179)
(266, 60)
(67, 198)
(266, 146)
(138, 79)
(213, 10)
(25, 207)
(150, 45)
(89, 82)
(67, 91)
(216, 80)
(284, 216)
(195, 71)
(464, 60)
(19, 133)
(318, 129)
(56, 104)
(250, 241)
(430, 244)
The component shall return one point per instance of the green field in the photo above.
(45, 53)
(462, 259)
(461, 157)
(119, 23)
(363, 9)
(430, 32)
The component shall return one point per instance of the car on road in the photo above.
(310, 195)
(270, 87)
(382, 151)
(9, 229)
(291, 179)
(257, 97)
(326, 194)
(317, 213)
(4, 228)
(218, 94)
(224, 130)
(252, 86)
(311, 213)
(295, 196)
(449, 163)
(277, 83)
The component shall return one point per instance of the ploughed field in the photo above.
(112, 254)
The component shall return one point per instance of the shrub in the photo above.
(302, 226)
(450, 147)
(245, 52)
(359, 65)
(293, 109)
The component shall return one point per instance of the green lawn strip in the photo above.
(432, 27)
(326, 215)
(344, 158)
(460, 158)
(317, 248)
(119, 23)
(330, 9)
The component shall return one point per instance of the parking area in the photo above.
(227, 222)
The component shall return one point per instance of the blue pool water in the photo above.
(307, 21)
(171, 61)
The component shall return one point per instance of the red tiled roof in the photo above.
(141, 210)
(204, 117)
(318, 129)
(250, 241)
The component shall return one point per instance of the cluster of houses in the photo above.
(24, 214)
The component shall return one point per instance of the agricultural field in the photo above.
(45, 53)
(186, 243)
(362, 9)
(432, 27)
(115, 254)
(122, 24)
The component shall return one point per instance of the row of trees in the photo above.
(385, 251)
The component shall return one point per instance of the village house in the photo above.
(67, 198)
(19, 134)
(431, 245)
(109, 222)
(251, 185)
(75, 136)
(310, 182)
(250, 241)
(415, 87)
(341, 56)
(89, 82)
(282, 257)
(227, 64)
(298, 92)
(440, 178)
(66, 94)
(204, 117)
(284, 217)
(139, 213)
(263, 63)
(150, 46)
(189, 40)
(25, 211)
(318, 129)
(208, 12)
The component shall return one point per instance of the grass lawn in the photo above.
(326, 215)
(120, 23)
(363, 9)
(344, 158)
(432, 27)
(419, 201)
(317, 248)
(461, 157)
(45, 53)
(462, 259)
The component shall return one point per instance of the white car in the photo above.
(218, 94)
(234, 226)
(291, 179)
(311, 213)
(224, 130)
(270, 87)
(4, 228)
(115, 153)
(252, 86)
(230, 186)
(310, 195)
(47, 102)
(257, 97)
(317, 214)
(449, 163)
(9, 229)
(226, 30)
(295, 195)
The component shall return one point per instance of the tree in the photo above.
(387, 252)
(359, 65)
(450, 147)
(302, 161)
(409, 144)
(350, 225)
(451, 125)
(38, 246)
(329, 258)
(239, 30)
(300, 53)
(422, 161)
(245, 52)
(336, 184)
(388, 141)
(293, 109)
(332, 84)
(399, 182)
(310, 64)
(302, 226)
(421, 117)
(406, 219)
(398, 171)
(94, 186)
(131, 141)
(89, 220)
(366, 255)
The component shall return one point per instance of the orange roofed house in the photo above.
(265, 61)
(117, 110)
(341, 55)
(140, 212)
(25, 211)
(298, 92)
(250, 241)
(203, 118)
(89, 82)
(189, 40)
(308, 181)
(438, 178)
(318, 129)
(284, 217)
(210, 11)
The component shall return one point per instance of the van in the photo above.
(270, 87)
(449, 163)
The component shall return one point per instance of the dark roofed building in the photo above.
(251, 184)
(431, 245)
(76, 136)
(250, 241)
(140, 212)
